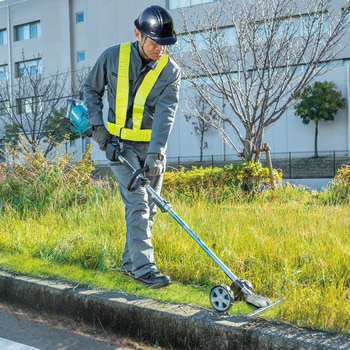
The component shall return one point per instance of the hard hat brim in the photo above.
(164, 41)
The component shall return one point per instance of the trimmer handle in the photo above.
(137, 179)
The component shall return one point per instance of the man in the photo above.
(143, 92)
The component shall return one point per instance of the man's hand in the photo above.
(101, 136)
(155, 163)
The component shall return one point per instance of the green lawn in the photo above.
(288, 245)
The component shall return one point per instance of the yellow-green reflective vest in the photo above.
(122, 97)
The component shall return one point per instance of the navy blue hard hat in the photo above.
(157, 24)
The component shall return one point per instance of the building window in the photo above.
(346, 62)
(346, 18)
(79, 17)
(4, 106)
(4, 72)
(201, 40)
(29, 105)
(3, 36)
(80, 56)
(25, 68)
(27, 31)
(175, 4)
(299, 26)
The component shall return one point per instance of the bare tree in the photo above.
(35, 109)
(78, 78)
(256, 56)
(200, 114)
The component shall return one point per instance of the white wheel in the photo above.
(221, 298)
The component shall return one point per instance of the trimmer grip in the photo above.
(137, 179)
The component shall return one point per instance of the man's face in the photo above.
(148, 48)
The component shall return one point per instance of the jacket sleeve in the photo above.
(93, 90)
(164, 115)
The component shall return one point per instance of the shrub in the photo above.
(30, 182)
(339, 191)
(218, 183)
(343, 175)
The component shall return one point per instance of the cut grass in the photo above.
(287, 244)
(112, 280)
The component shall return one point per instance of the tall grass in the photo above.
(29, 182)
(291, 243)
(292, 252)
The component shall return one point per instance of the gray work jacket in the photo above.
(160, 106)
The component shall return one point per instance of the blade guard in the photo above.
(257, 301)
(78, 117)
(243, 291)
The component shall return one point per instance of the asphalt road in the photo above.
(28, 330)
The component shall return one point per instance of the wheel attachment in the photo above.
(221, 298)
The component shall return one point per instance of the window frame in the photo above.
(81, 56)
(4, 105)
(30, 105)
(4, 71)
(27, 31)
(25, 68)
(78, 16)
(3, 36)
(176, 4)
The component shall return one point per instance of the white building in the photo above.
(70, 34)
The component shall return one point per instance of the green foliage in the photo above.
(57, 128)
(339, 191)
(343, 175)
(232, 181)
(321, 101)
(11, 134)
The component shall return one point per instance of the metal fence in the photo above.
(294, 165)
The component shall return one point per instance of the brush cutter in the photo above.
(221, 296)
(78, 117)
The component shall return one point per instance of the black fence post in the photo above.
(290, 165)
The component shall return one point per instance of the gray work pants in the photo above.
(140, 209)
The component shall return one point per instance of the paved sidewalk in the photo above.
(170, 325)
(11, 345)
(27, 329)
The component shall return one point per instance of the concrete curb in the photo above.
(171, 325)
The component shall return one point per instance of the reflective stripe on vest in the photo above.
(122, 97)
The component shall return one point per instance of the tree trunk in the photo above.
(201, 146)
(247, 151)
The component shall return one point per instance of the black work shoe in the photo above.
(154, 279)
